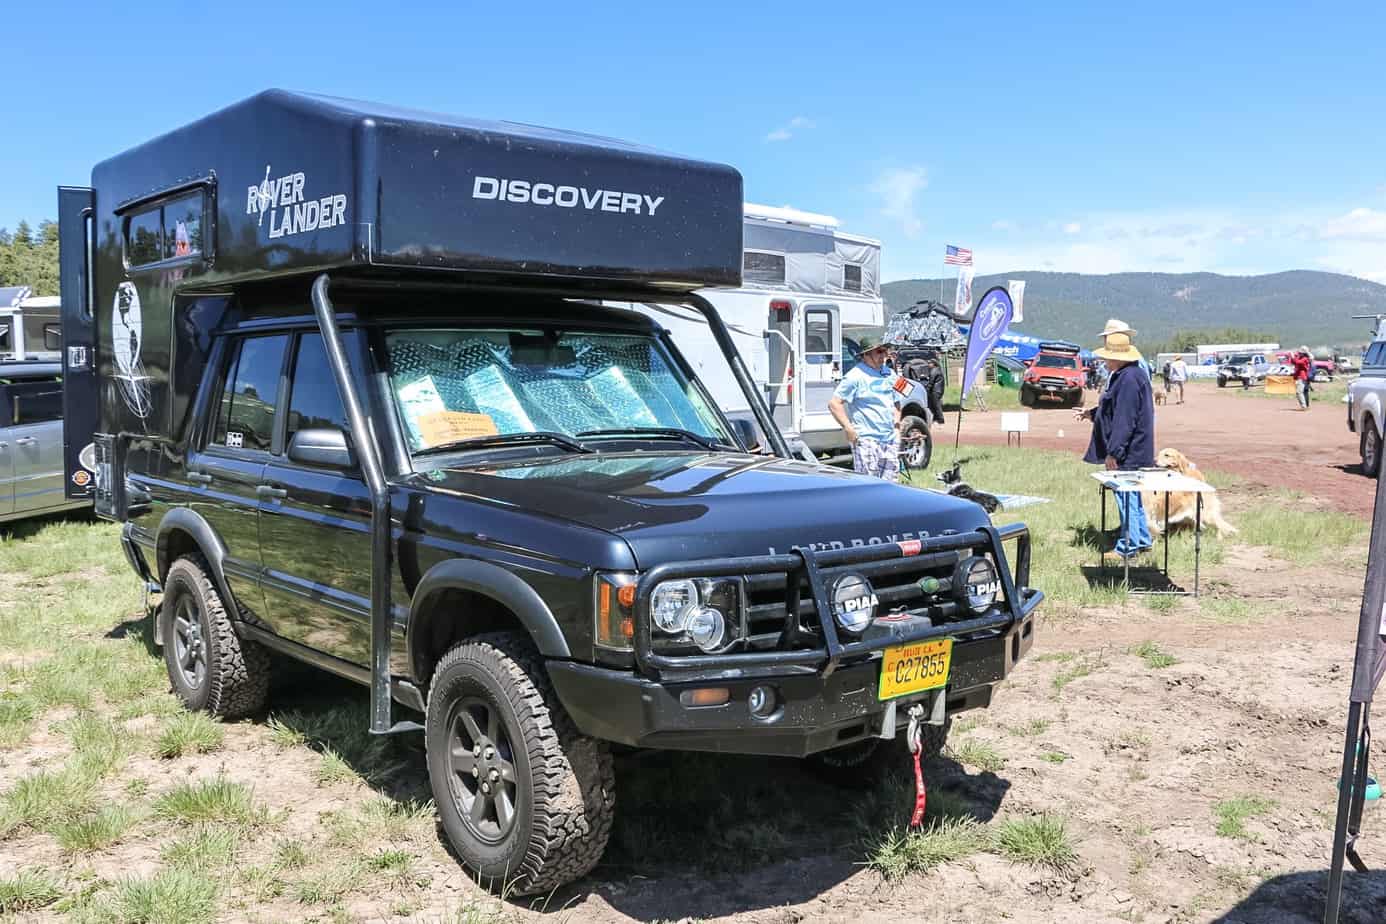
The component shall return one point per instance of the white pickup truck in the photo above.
(1367, 402)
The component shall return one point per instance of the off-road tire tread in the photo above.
(1369, 430)
(573, 807)
(238, 670)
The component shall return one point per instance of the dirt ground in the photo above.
(1265, 440)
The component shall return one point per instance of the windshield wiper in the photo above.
(664, 433)
(507, 439)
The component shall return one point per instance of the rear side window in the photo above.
(167, 231)
(314, 402)
(34, 402)
(245, 417)
(1374, 353)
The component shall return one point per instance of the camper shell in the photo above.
(30, 326)
(306, 328)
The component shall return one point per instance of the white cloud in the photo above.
(1360, 224)
(897, 187)
(786, 131)
(1072, 227)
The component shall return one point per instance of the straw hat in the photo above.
(1116, 327)
(1119, 347)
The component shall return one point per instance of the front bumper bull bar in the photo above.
(830, 649)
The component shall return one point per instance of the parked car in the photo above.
(1055, 374)
(1324, 369)
(1247, 368)
(1366, 404)
(31, 441)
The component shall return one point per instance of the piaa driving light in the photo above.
(854, 603)
(976, 584)
(672, 603)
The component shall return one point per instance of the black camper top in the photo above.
(288, 183)
(1059, 346)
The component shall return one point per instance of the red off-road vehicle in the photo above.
(1056, 374)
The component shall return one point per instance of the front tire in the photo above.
(212, 669)
(1370, 448)
(526, 800)
(916, 442)
(1222, 382)
(1027, 398)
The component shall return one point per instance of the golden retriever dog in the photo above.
(1181, 503)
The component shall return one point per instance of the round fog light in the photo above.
(706, 628)
(762, 702)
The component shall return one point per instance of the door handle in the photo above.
(25, 441)
(200, 477)
(270, 491)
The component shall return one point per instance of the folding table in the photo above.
(1159, 481)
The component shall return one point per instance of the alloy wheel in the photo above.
(481, 759)
(188, 643)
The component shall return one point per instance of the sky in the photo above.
(1086, 137)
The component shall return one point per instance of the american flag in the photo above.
(957, 256)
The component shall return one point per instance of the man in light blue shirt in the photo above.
(864, 406)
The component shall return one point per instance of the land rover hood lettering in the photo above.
(858, 543)
(532, 192)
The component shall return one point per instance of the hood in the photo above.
(681, 506)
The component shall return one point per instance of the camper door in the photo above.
(822, 351)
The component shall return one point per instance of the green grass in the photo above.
(333, 768)
(93, 831)
(1153, 655)
(1030, 729)
(1042, 840)
(205, 848)
(1054, 757)
(1233, 814)
(285, 736)
(978, 754)
(46, 798)
(188, 733)
(1083, 667)
(1285, 522)
(216, 800)
(900, 853)
(172, 895)
(28, 890)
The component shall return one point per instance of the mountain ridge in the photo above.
(1294, 306)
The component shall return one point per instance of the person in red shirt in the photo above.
(1304, 370)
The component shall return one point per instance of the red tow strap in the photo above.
(912, 737)
(918, 817)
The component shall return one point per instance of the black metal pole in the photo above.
(368, 454)
(742, 376)
(1340, 827)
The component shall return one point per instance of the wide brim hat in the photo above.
(1115, 326)
(868, 342)
(1119, 348)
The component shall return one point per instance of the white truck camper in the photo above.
(805, 287)
(30, 326)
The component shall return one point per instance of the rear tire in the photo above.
(543, 818)
(212, 669)
(872, 758)
(1370, 448)
(916, 442)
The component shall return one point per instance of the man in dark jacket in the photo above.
(1123, 437)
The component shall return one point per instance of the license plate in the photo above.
(915, 668)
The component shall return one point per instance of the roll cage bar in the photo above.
(372, 469)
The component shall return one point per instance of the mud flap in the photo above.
(80, 396)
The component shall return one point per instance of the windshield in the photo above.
(1240, 358)
(1048, 361)
(460, 383)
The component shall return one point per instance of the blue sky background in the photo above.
(1073, 136)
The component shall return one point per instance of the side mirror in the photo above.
(746, 433)
(326, 446)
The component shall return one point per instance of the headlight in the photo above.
(705, 612)
(670, 604)
(854, 603)
(707, 628)
(976, 584)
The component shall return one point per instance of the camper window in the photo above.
(818, 338)
(165, 232)
(763, 267)
(246, 417)
(851, 277)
